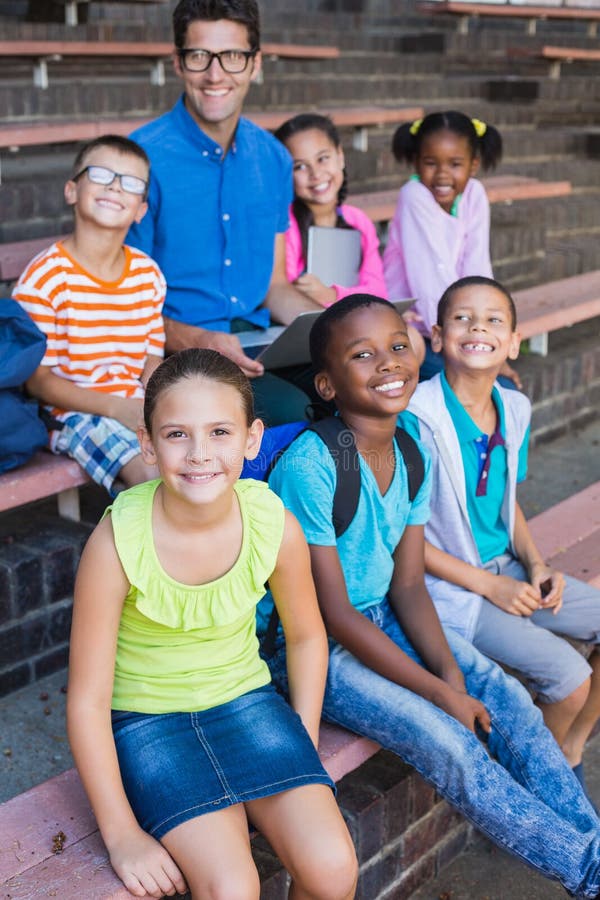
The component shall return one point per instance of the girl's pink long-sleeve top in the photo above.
(428, 249)
(371, 280)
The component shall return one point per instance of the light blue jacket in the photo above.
(449, 527)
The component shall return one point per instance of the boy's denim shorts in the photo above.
(176, 766)
(101, 446)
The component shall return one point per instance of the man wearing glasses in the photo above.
(218, 201)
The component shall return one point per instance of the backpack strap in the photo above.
(413, 460)
(340, 442)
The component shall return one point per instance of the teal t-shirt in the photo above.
(305, 479)
(489, 531)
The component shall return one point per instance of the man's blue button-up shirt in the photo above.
(212, 218)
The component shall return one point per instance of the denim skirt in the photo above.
(176, 766)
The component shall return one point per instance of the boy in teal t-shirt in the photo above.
(485, 574)
(394, 675)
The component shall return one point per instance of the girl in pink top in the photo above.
(441, 228)
(320, 188)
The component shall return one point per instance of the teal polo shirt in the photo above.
(486, 470)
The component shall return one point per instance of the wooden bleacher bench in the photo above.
(360, 118)
(71, 10)
(556, 56)
(557, 304)
(568, 535)
(541, 309)
(531, 13)
(15, 256)
(44, 52)
(44, 475)
(28, 867)
(379, 206)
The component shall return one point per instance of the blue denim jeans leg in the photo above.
(518, 789)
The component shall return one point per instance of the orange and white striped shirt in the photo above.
(99, 333)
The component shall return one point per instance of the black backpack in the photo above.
(339, 440)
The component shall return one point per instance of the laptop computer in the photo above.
(291, 346)
(334, 255)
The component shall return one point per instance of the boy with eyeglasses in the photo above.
(99, 303)
(220, 188)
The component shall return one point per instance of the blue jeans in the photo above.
(530, 804)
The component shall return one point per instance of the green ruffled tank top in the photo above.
(184, 648)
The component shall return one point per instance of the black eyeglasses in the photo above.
(234, 62)
(101, 175)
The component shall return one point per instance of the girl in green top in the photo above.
(178, 735)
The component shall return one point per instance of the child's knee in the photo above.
(577, 698)
(233, 885)
(332, 872)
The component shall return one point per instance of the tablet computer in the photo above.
(334, 255)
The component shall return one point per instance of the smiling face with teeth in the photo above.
(371, 370)
(214, 98)
(444, 165)
(200, 438)
(318, 171)
(107, 206)
(477, 331)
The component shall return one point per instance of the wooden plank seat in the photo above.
(72, 12)
(379, 206)
(556, 304)
(567, 533)
(360, 118)
(44, 475)
(44, 52)
(29, 870)
(531, 13)
(542, 309)
(556, 56)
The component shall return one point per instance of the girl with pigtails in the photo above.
(441, 228)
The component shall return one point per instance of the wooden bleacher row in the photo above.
(555, 55)
(359, 118)
(541, 309)
(43, 52)
(378, 205)
(531, 13)
(567, 534)
(72, 14)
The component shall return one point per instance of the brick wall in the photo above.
(564, 386)
(38, 559)
(403, 832)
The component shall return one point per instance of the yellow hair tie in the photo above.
(415, 126)
(480, 127)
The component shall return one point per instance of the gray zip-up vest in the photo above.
(449, 527)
